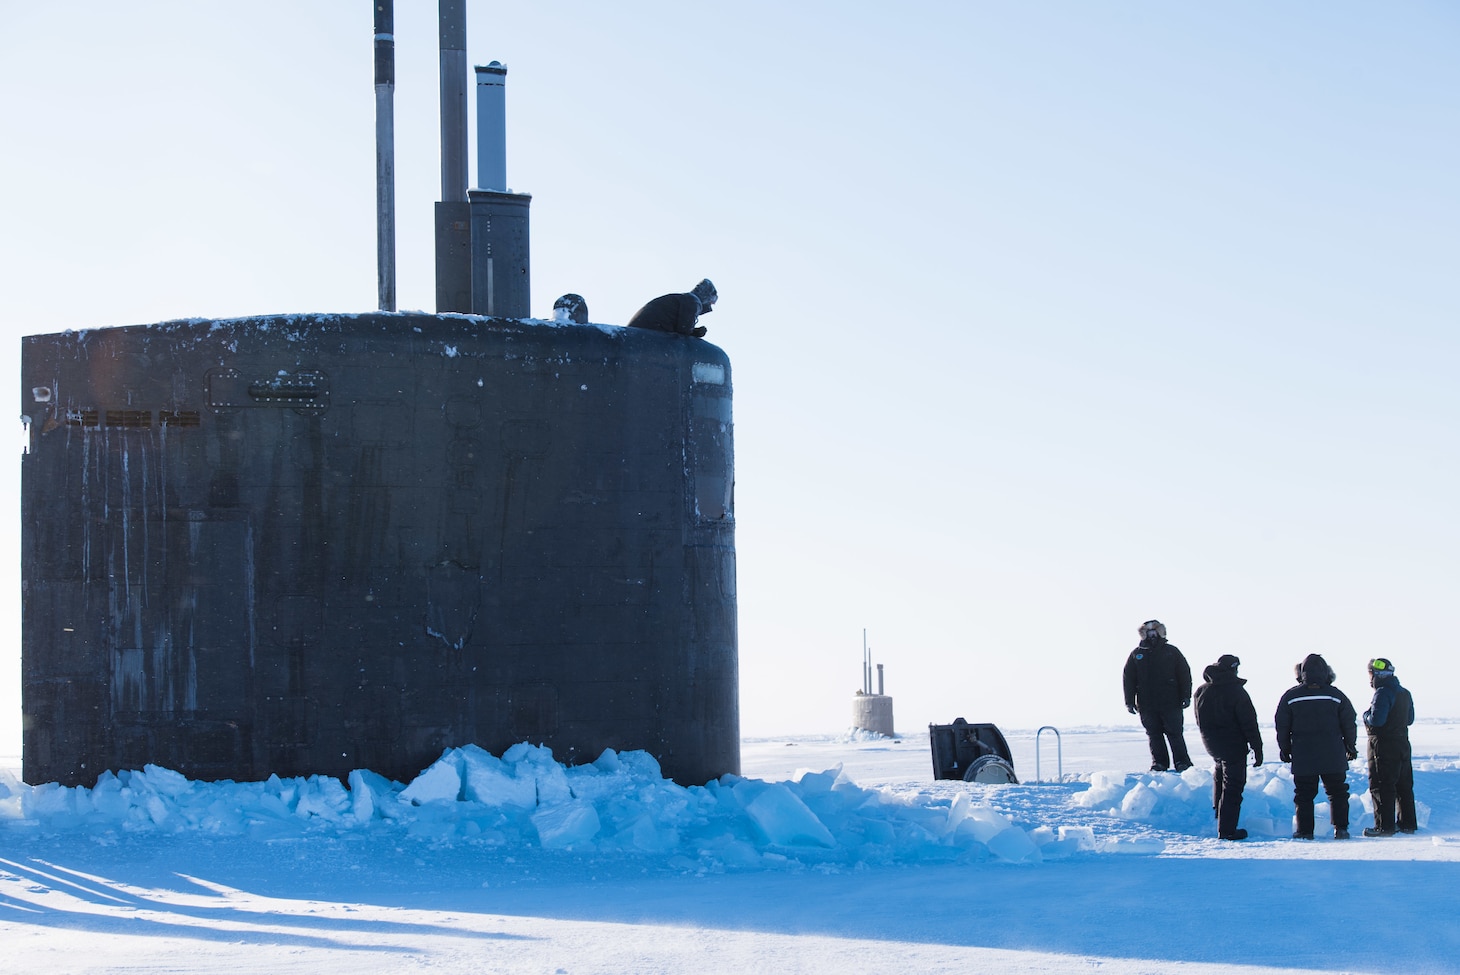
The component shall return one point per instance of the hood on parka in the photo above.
(1223, 671)
(1315, 670)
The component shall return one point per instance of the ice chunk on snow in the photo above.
(643, 835)
(1277, 788)
(986, 822)
(1083, 836)
(1056, 846)
(163, 781)
(1058, 850)
(1014, 845)
(487, 781)
(322, 796)
(958, 812)
(439, 783)
(156, 809)
(636, 764)
(48, 799)
(566, 824)
(816, 783)
(110, 797)
(1138, 802)
(1260, 825)
(1196, 778)
(367, 789)
(1356, 806)
(1106, 789)
(988, 814)
(781, 815)
(536, 762)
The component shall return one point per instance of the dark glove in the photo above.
(1257, 759)
(1285, 756)
(1352, 753)
(1186, 704)
(1131, 708)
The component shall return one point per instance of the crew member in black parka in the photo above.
(1391, 774)
(1228, 724)
(1158, 688)
(678, 313)
(1317, 730)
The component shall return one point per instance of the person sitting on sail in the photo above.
(678, 313)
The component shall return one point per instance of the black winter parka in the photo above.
(1316, 723)
(1157, 677)
(1391, 712)
(1225, 716)
(670, 313)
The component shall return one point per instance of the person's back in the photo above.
(1317, 727)
(1224, 712)
(1228, 724)
(1317, 731)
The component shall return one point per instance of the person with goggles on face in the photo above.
(1391, 776)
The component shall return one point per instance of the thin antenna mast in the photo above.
(385, 151)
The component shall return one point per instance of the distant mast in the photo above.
(385, 152)
(871, 712)
(866, 664)
(453, 213)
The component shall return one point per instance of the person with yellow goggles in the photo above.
(1391, 774)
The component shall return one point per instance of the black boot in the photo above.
(1303, 830)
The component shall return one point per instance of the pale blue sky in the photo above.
(1045, 318)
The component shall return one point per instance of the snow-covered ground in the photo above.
(835, 854)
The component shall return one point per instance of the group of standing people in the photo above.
(1317, 732)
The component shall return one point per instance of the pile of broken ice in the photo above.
(620, 803)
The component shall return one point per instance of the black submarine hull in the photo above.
(310, 544)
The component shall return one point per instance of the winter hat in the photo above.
(705, 292)
(1228, 661)
(1380, 667)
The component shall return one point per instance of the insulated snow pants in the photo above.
(1228, 779)
(1305, 788)
(1162, 725)
(1391, 782)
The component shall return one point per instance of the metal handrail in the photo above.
(1059, 753)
